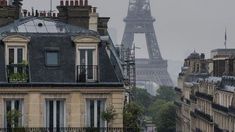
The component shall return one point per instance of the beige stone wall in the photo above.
(75, 104)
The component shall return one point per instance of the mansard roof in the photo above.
(33, 25)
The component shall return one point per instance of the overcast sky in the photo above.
(182, 26)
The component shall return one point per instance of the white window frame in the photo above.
(94, 61)
(12, 108)
(87, 110)
(46, 123)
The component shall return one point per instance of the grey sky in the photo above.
(181, 27)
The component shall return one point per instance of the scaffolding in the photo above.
(127, 56)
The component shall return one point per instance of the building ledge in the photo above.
(72, 85)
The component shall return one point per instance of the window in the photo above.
(13, 113)
(87, 71)
(52, 58)
(55, 114)
(94, 108)
(15, 55)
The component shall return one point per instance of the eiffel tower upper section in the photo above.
(140, 20)
(139, 10)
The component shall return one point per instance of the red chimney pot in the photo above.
(76, 2)
(71, 3)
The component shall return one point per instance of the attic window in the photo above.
(52, 57)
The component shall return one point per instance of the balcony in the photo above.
(193, 98)
(87, 73)
(69, 129)
(204, 96)
(220, 108)
(203, 115)
(17, 73)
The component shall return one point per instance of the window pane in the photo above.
(82, 57)
(92, 113)
(11, 56)
(20, 55)
(52, 58)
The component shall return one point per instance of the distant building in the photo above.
(206, 93)
(58, 72)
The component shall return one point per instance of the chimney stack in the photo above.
(76, 2)
(81, 3)
(61, 2)
(67, 3)
(25, 13)
(71, 3)
(3, 3)
(86, 2)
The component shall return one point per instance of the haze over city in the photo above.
(181, 26)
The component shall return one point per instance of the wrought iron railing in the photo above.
(87, 73)
(204, 96)
(203, 115)
(220, 108)
(69, 129)
(17, 73)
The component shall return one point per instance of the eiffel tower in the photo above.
(140, 20)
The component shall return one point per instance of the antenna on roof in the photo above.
(50, 7)
(225, 38)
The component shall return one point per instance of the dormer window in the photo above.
(16, 58)
(87, 59)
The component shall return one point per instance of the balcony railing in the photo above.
(204, 96)
(204, 115)
(69, 129)
(220, 108)
(17, 73)
(87, 73)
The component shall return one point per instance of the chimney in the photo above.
(81, 3)
(67, 3)
(71, 3)
(86, 2)
(36, 14)
(94, 9)
(25, 13)
(61, 2)
(76, 2)
(93, 21)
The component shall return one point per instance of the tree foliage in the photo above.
(166, 93)
(166, 118)
(109, 114)
(132, 115)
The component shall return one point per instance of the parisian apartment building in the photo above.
(58, 70)
(206, 93)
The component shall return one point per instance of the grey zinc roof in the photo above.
(109, 68)
(31, 25)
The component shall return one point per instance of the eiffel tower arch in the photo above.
(140, 20)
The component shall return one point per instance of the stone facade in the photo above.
(206, 96)
(75, 102)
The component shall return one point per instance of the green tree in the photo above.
(143, 98)
(166, 93)
(132, 115)
(109, 114)
(166, 118)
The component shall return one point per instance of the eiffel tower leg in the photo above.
(128, 37)
(152, 44)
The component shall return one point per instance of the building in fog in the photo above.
(206, 93)
(58, 70)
